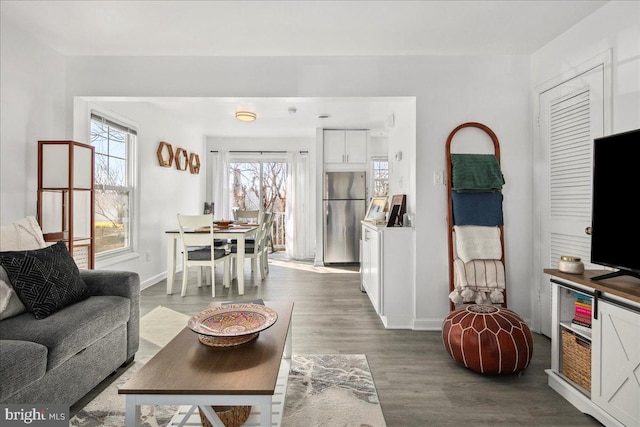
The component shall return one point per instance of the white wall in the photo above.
(32, 108)
(449, 91)
(615, 27)
(162, 192)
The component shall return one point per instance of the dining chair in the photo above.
(247, 215)
(255, 250)
(198, 250)
(268, 239)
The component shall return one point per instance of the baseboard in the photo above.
(435, 324)
(155, 279)
(428, 324)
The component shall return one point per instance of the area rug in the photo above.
(331, 390)
(161, 324)
(334, 390)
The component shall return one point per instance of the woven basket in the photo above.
(576, 359)
(231, 416)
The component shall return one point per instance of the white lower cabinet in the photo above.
(371, 266)
(616, 352)
(611, 391)
(388, 273)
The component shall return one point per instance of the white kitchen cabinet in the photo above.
(615, 386)
(614, 340)
(371, 265)
(345, 146)
(388, 273)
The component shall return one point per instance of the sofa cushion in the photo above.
(46, 279)
(71, 329)
(23, 362)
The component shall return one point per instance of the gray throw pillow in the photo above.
(10, 304)
(46, 280)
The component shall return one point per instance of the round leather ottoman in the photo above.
(488, 339)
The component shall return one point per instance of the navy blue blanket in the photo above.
(477, 208)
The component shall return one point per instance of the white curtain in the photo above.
(296, 209)
(221, 186)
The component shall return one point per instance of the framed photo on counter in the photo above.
(376, 209)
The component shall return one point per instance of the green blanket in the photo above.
(475, 172)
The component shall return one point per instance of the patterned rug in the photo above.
(323, 390)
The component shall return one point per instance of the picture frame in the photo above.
(393, 216)
(377, 206)
(209, 208)
(397, 209)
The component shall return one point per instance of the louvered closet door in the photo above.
(571, 115)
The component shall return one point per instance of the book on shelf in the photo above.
(582, 297)
(583, 304)
(584, 311)
(586, 320)
(581, 324)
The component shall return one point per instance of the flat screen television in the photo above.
(615, 216)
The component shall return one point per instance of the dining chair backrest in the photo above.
(263, 230)
(268, 218)
(192, 222)
(247, 215)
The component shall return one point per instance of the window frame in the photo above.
(130, 250)
(374, 180)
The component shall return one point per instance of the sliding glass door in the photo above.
(260, 185)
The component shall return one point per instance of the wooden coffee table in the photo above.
(186, 372)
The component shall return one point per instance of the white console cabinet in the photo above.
(388, 273)
(614, 338)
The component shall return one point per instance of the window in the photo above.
(380, 177)
(114, 193)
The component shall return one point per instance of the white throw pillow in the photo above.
(22, 235)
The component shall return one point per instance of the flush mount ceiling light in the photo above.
(245, 116)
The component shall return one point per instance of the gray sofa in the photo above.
(61, 358)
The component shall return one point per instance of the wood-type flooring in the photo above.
(418, 383)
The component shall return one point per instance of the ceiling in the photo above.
(284, 28)
(233, 28)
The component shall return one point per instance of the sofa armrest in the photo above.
(119, 283)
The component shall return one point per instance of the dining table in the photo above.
(239, 232)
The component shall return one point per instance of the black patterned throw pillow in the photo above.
(46, 280)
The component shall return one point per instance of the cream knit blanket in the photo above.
(477, 242)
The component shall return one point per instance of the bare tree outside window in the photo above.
(380, 177)
(260, 186)
(113, 194)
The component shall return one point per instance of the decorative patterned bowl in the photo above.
(223, 223)
(232, 324)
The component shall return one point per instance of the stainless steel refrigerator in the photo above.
(344, 201)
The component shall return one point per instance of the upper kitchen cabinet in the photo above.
(345, 146)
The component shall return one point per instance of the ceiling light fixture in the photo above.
(245, 116)
(324, 116)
